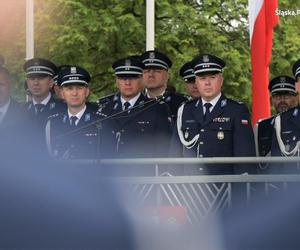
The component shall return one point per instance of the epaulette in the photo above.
(235, 101)
(194, 102)
(105, 99)
(271, 119)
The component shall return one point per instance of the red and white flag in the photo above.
(262, 20)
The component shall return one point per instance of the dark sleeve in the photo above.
(163, 131)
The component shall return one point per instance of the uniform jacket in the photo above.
(174, 101)
(143, 131)
(67, 142)
(289, 132)
(37, 120)
(264, 136)
(226, 132)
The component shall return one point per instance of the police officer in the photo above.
(39, 80)
(139, 126)
(188, 75)
(73, 134)
(155, 79)
(283, 97)
(213, 125)
(286, 139)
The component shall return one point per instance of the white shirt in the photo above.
(3, 110)
(132, 101)
(78, 115)
(213, 102)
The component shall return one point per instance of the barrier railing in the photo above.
(203, 195)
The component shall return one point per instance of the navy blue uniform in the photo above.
(174, 100)
(54, 106)
(264, 136)
(288, 130)
(67, 142)
(37, 120)
(103, 101)
(143, 131)
(225, 132)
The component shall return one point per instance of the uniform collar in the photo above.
(132, 101)
(45, 101)
(78, 115)
(213, 102)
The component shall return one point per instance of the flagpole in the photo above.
(29, 29)
(150, 24)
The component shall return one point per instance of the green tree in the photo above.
(95, 33)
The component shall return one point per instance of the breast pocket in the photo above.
(220, 133)
(144, 127)
(189, 131)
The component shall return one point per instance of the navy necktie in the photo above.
(207, 109)
(39, 108)
(126, 105)
(73, 121)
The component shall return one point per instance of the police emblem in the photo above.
(127, 62)
(220, 135)
(282, 79)
(73, 70)
(87, 117)
(65, 118)
(223, 103)
(151, 55)
(205, 58)
(295, 113)
(52, 105)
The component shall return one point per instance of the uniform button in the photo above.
(122, 130)
(142, 130)
(200, 169)
(122, 142)
(202, 130)
(200, 155)
(201, 142)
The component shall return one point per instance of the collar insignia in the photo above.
(223, 103)
(87, 117)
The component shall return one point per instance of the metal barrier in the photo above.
(201, 196)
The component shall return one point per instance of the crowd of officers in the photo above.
(147, 117)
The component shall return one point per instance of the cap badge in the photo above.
(127, 62)
(36, 63)
(205, 58)
(220, 135)
(73, 70)
(151, 55)
(282, 79)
